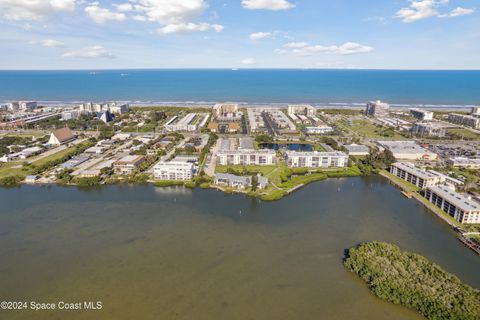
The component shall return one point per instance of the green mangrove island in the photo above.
(412, 281)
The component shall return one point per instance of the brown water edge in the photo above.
(151, 253)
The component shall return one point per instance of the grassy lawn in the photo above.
(400, 182)
(369, 130)
(54, 156)
(7, 170)
(463, 133)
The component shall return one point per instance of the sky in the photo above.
(120, 34)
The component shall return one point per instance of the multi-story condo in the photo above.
(461, 207)
(377, 109)
(460, 162)
(191, 122)
(476, 111)
(422, 114)
(246, 157)
(302, 109)
(174, 170)
(414, 175)
(466, 120)
(226, 112)
(315, 159)
(27, 105)
(429, 129)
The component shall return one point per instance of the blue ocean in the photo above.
(245, 85)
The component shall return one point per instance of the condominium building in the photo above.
(416, 176)
(301, 109)
(429, 129)
(460, 162)
(377, 109)
(246, 157)
(174, 170)
(319, 130)
(240, 182)
(315, 159)
(224, 112)
(423, 115)
(466, 120)
(459, 206)
(191, 122)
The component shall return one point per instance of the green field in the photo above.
(463, 133)
(369, 130)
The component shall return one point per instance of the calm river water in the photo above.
(152, 253)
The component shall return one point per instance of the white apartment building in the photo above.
(315, 159)
(459, 206)
(301, 109)
(319, 130)
(460, 162)
(416, 176)
(377, 109)
(246, 157)
(174, 170)
(466, 120)
(188, 123)
(423, 115)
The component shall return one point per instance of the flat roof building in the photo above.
(301, 109)
(466, 120)
(128, 164)
(429, 129)
(461, 207)
(246, 157)
(174, 170)
(469, 163)
(240, 182)
(315, 159)
(416, 176)
(357, 150)
(423, 115)
(408, 150)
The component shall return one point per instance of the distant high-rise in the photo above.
(377, 109)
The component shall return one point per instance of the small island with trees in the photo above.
(412, 281)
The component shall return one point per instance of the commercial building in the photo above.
(315, 159)
(377, 109)
(429, 129)
(27, 105)
(466, 120)
(70, 114)
(459, 206)
(174, 170)
(422, 114)
(357, 150)
(408, 150)
(61, 136)
(246, 157)
(75, 161)
(128, 164)
(416, 176)
(239, 182)
(460, 162)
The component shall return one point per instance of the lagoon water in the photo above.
(153, 253)
(244, 85)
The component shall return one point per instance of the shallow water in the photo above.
(152, 253)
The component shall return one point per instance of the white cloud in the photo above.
(90, 53)
(49, 43)
(34, 9)
(139, 17)
(102, 15)
(274, 5)
(259, 35)
(306, 49)
(189, 27)
(170, 11)
(423, 9)
(248, 61)
(124, 7)
(457, 12)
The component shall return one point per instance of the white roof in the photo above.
(459, 200)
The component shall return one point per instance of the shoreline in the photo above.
(242, 104)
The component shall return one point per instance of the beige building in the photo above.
(128, 164)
